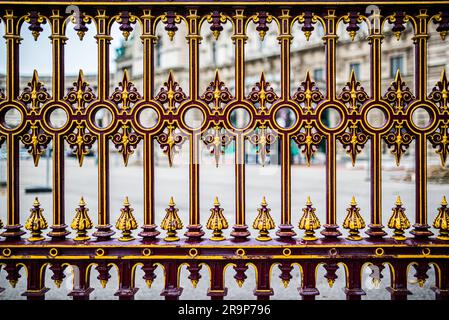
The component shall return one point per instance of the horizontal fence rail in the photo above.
(309, 243)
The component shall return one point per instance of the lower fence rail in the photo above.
(103, 256)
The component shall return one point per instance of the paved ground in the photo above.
(260, 181)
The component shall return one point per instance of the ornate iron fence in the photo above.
(150, 250)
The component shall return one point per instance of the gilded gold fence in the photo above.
(149, 248)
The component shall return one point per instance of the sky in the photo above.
(78, 54)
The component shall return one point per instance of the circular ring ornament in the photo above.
(333, 252)
(193, 117)
(53, 252)
(421, 118)
(240, 252)
(193, 252)
(99, 252)
(12, 118)
(287, 252)
(285, 117)
(425, 251)
(148, 117)
(57, 118)
(240, 118)
(146, 252)
(6, 252)
(376, 118)
(380, 252)
(102, 118)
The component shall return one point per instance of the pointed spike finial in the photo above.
(444, 201)
(216, 202)
(443, 74)
(264, 201)
(217, 76)
(36, 202)
(309, 202)
(126, 202)
(398, 201)
(82, 202)
(171, 203)
(353, 202)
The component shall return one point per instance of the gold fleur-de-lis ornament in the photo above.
(441, 221)
(398, 221)
(126, 222)
(171, 222)
(354, 221)
(217, 222)
(82, 222)
(36, 222)
(309, 222)
(263, 222)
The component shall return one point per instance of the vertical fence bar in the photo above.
(194, 231)
(375, 39)
(330, 39)
(149, 231)
(285, 230)
(421, 228)
(58, 39)
(103, 37)
(240, 230)
(12, 36)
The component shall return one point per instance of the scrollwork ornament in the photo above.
(34, 94)
(262, 93)
(307, 94)
(170, 19)
(443, 24)
(35, 19)
(171, 93)
(440, 93)
(398, 140)
(398, 94)
(126, 141)
(216, 19)
(217, 93)
(398, 19)
(170, 142)
(80, 94)
(262, 18)
(308, 19)
(352, 19)
(440, 140)
(262, 140)
(308, 141)
(35, 141)
(353, 94)
(80, 142)
(216, 142)
(353, 141)
(80, 24)
(126, 20)
(126, 93)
